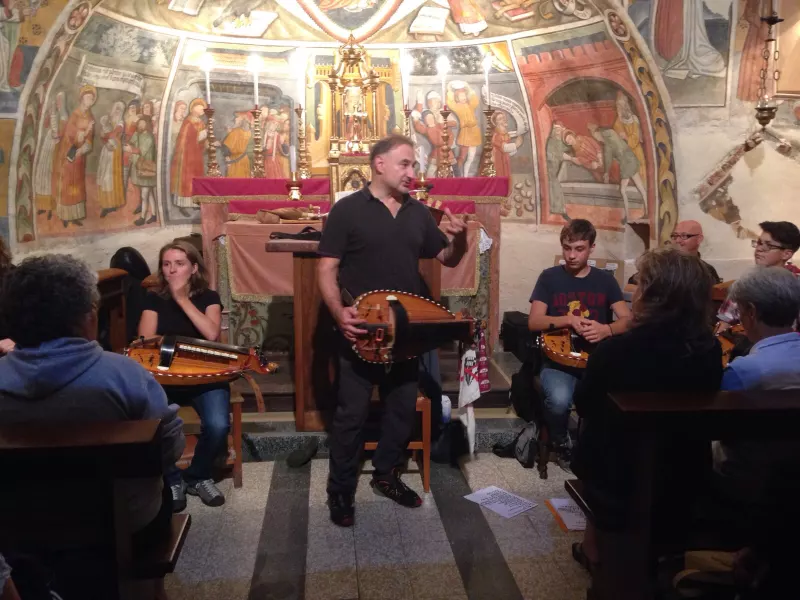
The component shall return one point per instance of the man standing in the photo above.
(554, 154)
(374, 239)
(583, 299)
(776, 245)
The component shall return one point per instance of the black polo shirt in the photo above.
(378, 251)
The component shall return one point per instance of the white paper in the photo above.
(570, 514)
(500, 501)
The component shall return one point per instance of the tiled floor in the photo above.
(273, 540)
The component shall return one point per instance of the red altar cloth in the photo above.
(225, 188)
(255, 276)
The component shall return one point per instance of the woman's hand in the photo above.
(179, 289)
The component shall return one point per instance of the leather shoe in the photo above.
(342, 509)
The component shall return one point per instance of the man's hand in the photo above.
(6, 346)
(348, 320)
(455, 225)
(593, 332)
(575, 322)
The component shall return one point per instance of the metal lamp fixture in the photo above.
(767, 107)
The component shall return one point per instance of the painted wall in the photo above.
(606, 111)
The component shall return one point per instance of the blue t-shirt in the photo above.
(596, 292)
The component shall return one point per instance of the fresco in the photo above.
(378, 21)
(465, 95)
(185, 143)
(95, 165)
(594, 154)
(6, 135)
(23, 27)
(690, 41)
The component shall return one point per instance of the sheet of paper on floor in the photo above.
(500, 501)
(569, 516)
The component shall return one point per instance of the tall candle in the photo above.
(487, 65)
(255, 85)
(406, 66)
(208, 89)
(443, 66)
(292, 159)
(207, 63)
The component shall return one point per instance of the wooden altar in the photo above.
(228, 208)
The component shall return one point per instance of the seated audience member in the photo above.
(58, 372)
(7, 589)
(182, 304)
(776, 245)
(669, 347)
(584, 299)
(6, 344)
(687, 237)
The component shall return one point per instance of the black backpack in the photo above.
(522, 395)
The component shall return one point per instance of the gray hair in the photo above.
(774, 292)
(46, 298)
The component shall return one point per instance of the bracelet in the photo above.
(611, 330)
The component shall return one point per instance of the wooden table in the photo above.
(314, 336)
(654, 415)
(110, 284)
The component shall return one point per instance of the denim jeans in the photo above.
(213, 405)
(558, 386)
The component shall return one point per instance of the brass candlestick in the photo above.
(487, 155)
(293, 187)
(303, 164)
(257, 168)
(421, 189)
(407, 130)
(445, 167)
(213, 167)
(334, 85)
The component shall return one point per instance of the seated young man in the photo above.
(58, 372)
(776, 245)
(584, 299)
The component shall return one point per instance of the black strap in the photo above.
(307, 233)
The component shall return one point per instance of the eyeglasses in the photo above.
(682, 236)
(760, 244)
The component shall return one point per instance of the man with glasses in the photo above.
(687, 237)
(776, 245)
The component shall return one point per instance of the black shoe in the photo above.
(303, 454)
(393, 488)
(178, 496)
(342, 509)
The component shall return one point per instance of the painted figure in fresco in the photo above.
(555, 150)
(55, 122)
(751, 61)
(110, 186)
(188, 161)
(503, 146)
(275, 148)
(629, 129)
(586, 153)
(234, 146)
(686, 48)
(179, 112)
(431, 125)
(616, 149)
(142, 147)
(468, 16)
(131, 117)
(75, 144)
(156, 117)
(463, 101)
(12, 14)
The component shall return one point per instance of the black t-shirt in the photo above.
(378, 251)
(596, 292)
(171, 318)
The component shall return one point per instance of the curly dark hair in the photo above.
(675, 289)
(46, 298)
(5, 258)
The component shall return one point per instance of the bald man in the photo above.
(687, 237)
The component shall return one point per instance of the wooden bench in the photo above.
(423, 444)
(61, 495)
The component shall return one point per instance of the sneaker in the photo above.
(342, 509)
(563, 457)
(207, 492)
(393, 488)
(178, 496)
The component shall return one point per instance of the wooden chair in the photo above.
(424, 444)
(191, 429)
(83, 461)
